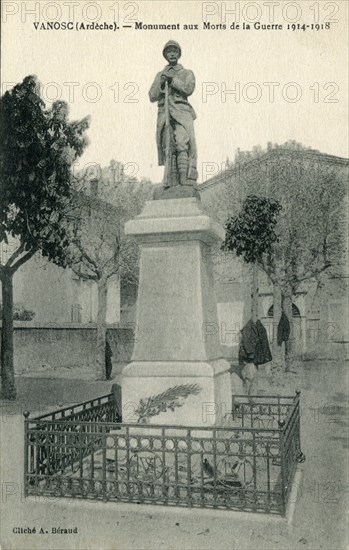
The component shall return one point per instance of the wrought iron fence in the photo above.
(247, 464)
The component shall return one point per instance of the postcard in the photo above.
(174, 274)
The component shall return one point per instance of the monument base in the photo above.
(176, 192)
(192, 393)
(177, 375)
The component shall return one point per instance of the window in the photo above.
(295, 311)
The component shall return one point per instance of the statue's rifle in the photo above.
(168, 144)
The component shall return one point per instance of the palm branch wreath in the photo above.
(168, 400)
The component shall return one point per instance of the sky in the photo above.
(107, 74)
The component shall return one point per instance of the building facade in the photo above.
(320, 315)
(58, 296)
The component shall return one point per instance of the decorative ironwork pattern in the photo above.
(247, 464)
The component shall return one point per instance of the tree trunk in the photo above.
(278, 351)
(101, 328)
(289, 347)
(8, 387)
(254, 293)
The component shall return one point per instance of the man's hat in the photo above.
(173, 44)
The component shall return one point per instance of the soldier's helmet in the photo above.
(171, 44)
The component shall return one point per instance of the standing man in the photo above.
(175, 129)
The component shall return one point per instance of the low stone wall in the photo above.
(65, 346)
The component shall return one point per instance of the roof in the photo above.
(96, 204)
(310, 153)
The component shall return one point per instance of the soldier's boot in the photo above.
(183, 167)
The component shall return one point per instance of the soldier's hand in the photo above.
(165, 77)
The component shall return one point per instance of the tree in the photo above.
(39, 146)
(99, 249)
(310, 226)
(251, 235)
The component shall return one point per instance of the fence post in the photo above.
(104, 463)
(283, 472)
(26, 449)
(116, 392)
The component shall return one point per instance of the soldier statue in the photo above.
(175, 128)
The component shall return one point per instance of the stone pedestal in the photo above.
(177, 333)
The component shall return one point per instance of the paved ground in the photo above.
(319, 520)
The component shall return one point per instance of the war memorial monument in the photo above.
(176, 289)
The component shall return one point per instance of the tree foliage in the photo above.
(20, 313)
(252, 232)
(311, 224)
(310, 229)
(99, 247)
(39, 146)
